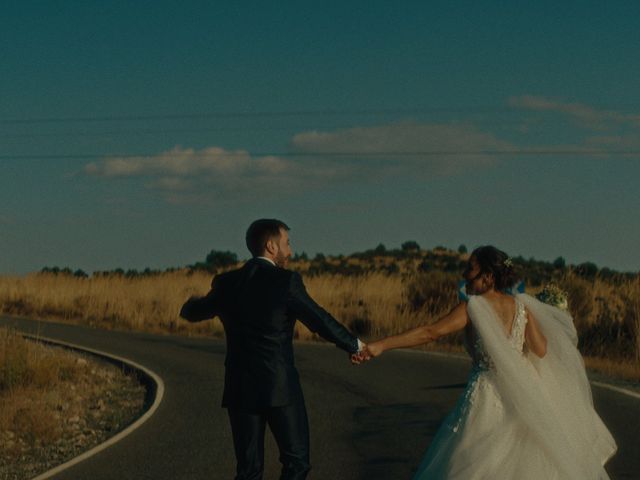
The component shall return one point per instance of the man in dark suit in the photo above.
(258, 305)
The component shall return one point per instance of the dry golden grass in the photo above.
(55, 403)
(373, 304)
(607, 317)
(625, 370)
(27, 371)
(34, 377)
(114, 302)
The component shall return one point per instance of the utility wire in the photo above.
(427, 153)
(130, 132)
(260, 114)
(421, 110)
(147, 132)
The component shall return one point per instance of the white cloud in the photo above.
(357, 154)
(622, 137)
(179, 162)
(186, 174)
(586, 115)
(400, 138)
(616, 143)
(404, 148)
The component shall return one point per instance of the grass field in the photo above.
(372, 304)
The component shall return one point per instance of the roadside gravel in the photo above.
(55, 424)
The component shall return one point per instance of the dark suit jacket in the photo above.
(258, 305)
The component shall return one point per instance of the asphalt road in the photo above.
(371, 422)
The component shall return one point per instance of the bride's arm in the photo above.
(534, 339)
(455, 320)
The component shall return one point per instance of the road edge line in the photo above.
(154, 378)
(625, 391)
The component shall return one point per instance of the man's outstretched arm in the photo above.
(197, 309)
(317, 319)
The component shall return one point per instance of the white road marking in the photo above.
(120, 435)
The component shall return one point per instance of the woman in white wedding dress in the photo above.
(527, 411)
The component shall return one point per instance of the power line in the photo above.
(260, 114)
(419, 110)
(142, 132)
(130, 132)
(426, 153)
(168, 131)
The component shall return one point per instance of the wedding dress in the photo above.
(521, 417)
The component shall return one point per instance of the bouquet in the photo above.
(553, 295)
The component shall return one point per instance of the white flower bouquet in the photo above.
(553, 295)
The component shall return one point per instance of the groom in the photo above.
(258, 305)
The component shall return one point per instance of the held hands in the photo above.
(359, 357)
(366, 353)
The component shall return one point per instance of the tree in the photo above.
(219, 259)
(410, 246)
(587, 269)
(462, 249)
(559, 263)
(80, 274)
(380, 249)
(216, 259)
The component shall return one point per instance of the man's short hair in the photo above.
(260, 232)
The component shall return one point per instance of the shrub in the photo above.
(559, 263)
(433, 292)
(586, 270)
(410, 246)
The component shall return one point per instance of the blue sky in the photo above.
(145, 134)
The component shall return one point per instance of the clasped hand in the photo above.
(365, 354)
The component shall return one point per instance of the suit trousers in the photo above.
(290, 428)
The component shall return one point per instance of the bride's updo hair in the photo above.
(496, 262)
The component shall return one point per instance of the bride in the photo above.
(527, 411)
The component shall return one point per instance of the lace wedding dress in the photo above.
(521, 417)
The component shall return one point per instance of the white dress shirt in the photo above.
(268, 260)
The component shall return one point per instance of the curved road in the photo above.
(371, 422)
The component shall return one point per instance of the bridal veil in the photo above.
(550, 396)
